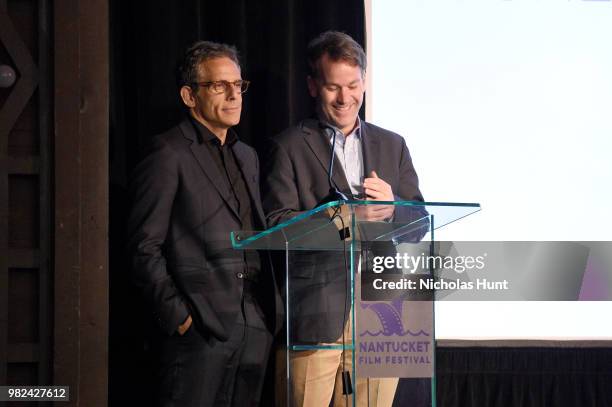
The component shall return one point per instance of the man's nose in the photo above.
(341, 96)
(232, 92)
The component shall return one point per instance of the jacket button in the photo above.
(240, 275)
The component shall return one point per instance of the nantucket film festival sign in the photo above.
(394, 338)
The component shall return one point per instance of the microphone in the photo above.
(344, 232)
(334, 193)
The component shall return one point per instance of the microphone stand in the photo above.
(334, 193)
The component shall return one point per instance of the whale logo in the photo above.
(390, 317)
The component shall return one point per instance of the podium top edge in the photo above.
(399, 203)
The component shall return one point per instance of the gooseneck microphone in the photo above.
(344, 232)
(334, 193)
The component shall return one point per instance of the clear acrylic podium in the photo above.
(328, 253)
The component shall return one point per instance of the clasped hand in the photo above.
(376, 189)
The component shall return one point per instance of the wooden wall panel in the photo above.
(81, 199)
(23, 139)
(25, 213)
(23, 305)
(59, 104)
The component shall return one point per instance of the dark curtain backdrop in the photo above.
(271, 36)
(524, 377)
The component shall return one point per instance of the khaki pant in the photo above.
(316, 377)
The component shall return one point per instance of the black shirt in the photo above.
(232, 175)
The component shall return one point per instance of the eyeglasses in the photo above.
(218, 87)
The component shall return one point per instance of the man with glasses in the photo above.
(216, 307)
(371, 163)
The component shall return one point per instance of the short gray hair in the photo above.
(198, 52)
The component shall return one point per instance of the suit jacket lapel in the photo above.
(371, 152)
(250, 173)
(321, 147)
(206, 162)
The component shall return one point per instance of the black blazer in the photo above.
(179, 234)
(295, 180)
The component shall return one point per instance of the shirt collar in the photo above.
(204, 134)
(356, 131)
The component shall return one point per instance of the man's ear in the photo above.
(188, 97)
(312, 86)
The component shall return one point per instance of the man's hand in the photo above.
(376, 189)
(184, 326)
